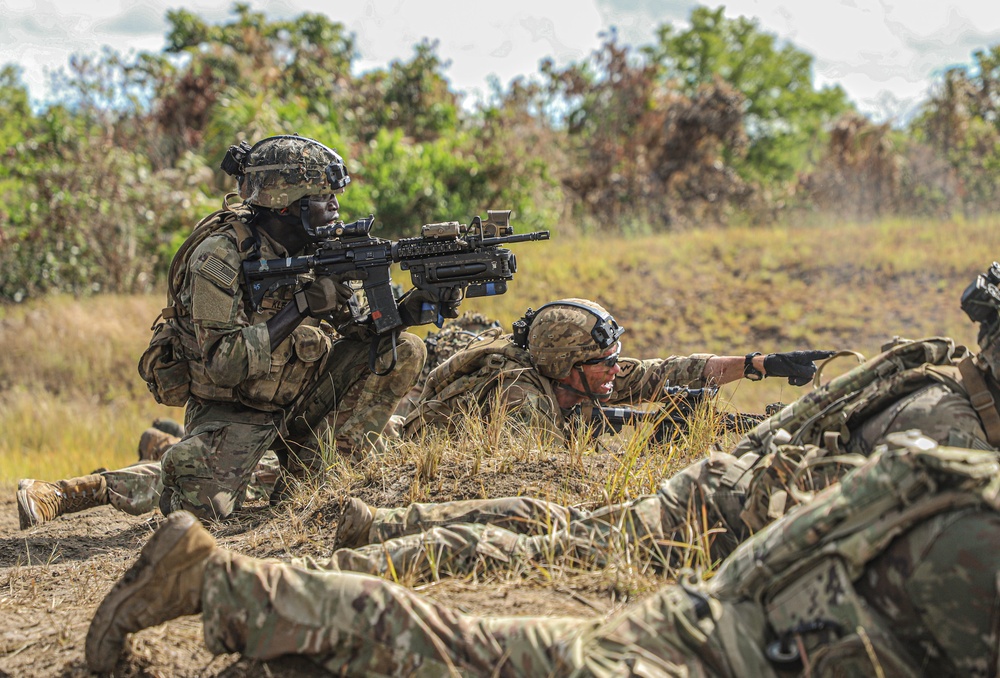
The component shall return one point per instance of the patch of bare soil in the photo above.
(52, 577)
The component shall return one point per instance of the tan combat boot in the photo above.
(354, 526)
(153, 443)
(164, 583)
(39, 501)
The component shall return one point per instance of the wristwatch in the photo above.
(749, 371)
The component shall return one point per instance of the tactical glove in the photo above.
(420, 307)
(323, 296)
(797, 365)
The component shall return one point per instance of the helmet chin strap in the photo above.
(589, 393)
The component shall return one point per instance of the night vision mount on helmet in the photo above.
(981, 302)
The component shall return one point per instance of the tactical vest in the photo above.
(803, 446)
(173, 353)
(469, 377)
(802, 571)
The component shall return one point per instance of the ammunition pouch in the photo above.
(164, 366)
(294, 364)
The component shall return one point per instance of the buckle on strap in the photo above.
(982, 399)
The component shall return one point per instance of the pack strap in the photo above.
(981, 399)
(738, 469)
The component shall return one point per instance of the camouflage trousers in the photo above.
(695, 513)
(136, 489)
(353, 624)
(670, 527)
(208, 471)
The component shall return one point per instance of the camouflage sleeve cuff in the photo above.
(695, 368)
(258, 346)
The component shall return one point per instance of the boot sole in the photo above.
(103, 654)
(24, 515)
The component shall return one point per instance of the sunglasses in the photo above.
(608, 361)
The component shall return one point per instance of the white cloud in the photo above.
(880, 51)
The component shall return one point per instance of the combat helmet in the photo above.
(563, 333)
(277, 171)
(981, 302)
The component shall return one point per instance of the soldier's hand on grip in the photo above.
(324, 296)
(420, 307)
(798, 366)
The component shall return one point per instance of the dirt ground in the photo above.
(53, 576)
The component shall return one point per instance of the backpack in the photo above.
(471, 375)
(801, 570)
(164, 365)
(822, 416)
(802, 447)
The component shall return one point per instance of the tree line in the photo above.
(717, 123)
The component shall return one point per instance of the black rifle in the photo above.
(673, 415)
(445, 257)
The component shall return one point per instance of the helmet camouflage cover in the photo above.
(279, 170)
(568, 331)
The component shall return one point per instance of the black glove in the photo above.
(420, 307)
(797, 365)
(323, 296)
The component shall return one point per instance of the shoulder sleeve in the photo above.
(214, 281)
(643, 380)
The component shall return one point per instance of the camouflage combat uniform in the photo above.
(741, 491)
(247, 397)
(497, 368)
(892, 571)
(136, 489)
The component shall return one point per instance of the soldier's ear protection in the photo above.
(605, 332)
(234, 162)
(981, 299)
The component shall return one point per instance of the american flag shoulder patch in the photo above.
(219, 272)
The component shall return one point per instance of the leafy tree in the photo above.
(961, 122)
(411, 96)
(784, 115)
(15, 110)
(641, 152)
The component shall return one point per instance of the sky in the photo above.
(886, 54)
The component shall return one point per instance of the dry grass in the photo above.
(69, 389)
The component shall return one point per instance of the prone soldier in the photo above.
(569, 353)
(891, 572)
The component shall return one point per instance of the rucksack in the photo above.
(802, 570)
(802, 448)
(470, 376)
(821, 417)
(164, 365)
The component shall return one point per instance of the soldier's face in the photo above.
(323, 209)
(599, 372)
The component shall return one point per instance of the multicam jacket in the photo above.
(231, 358)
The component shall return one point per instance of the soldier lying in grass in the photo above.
(892, 572)
(569, 353)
